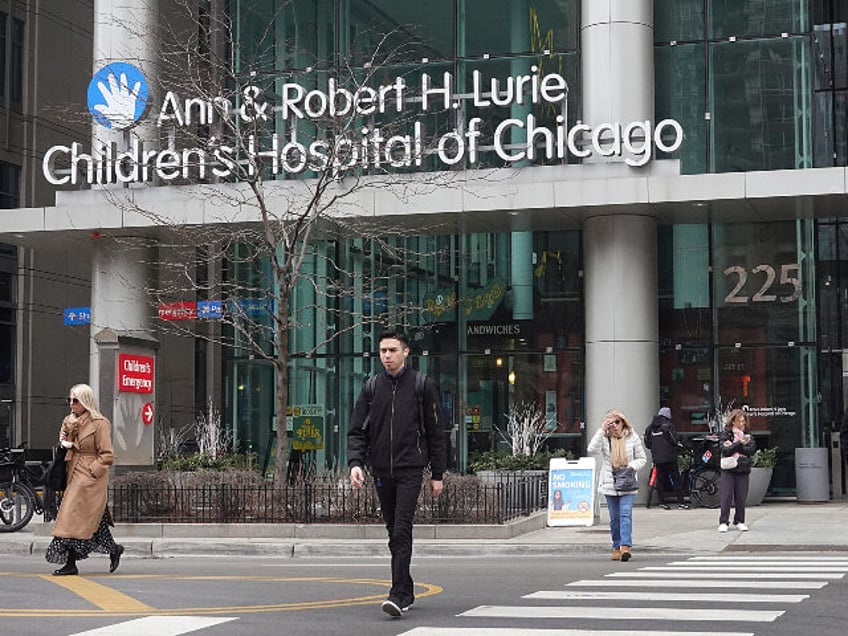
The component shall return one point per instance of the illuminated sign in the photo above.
(118, 96)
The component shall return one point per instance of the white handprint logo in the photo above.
(117, 95)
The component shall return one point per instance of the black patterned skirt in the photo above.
(61, 548)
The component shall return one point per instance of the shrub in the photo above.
(765, 458)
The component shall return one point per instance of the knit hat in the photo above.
(665, 412)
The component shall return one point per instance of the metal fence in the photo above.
(464, 503)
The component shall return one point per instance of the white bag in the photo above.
(729, 463)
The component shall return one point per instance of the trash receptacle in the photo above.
(811, 475)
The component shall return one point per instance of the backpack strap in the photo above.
(370, 388)
(420, 379)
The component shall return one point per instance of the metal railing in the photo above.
(498, 503)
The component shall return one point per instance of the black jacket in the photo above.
(661, 438)
(394, 439)
(746, 449)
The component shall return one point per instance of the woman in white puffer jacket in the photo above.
(618, 445)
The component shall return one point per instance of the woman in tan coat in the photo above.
(82, 525)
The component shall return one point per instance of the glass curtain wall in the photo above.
(743, 336)
(736, 74)
(495, 317)
(830, 81)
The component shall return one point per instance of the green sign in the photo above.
(307, 422)
(482, 304)
(440, 306)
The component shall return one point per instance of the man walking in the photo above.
(397, 428)
(661, 439)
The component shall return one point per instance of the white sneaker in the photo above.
(722, 527)
(741, 527)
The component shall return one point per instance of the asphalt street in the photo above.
(777, 594)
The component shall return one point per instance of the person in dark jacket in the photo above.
(735, 441)
(661, 439)
(387, 432)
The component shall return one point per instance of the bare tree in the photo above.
(280, 159)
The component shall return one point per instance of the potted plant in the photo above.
(762, 467)
(527, 428)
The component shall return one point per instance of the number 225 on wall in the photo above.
(788, 276)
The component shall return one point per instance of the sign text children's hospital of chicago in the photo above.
(118, 96)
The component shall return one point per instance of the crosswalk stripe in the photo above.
(682, 574)
(511, 631)
(666, 596)
(741, 568)
(697, 583)
(158, 625)
(825, 559)
(623, 613)
(762, 564)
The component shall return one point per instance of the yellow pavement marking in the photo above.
(106, 598)
(114, 603)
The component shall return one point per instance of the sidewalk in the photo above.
(784, 526)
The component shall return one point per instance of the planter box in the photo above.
(758, 486)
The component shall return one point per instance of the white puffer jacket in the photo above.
(635, 454)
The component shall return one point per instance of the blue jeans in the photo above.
(621, 519)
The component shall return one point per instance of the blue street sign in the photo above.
(77, 316)
(210, 309)
(253, 307)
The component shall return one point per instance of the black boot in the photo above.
(115, 557)
(70, 567)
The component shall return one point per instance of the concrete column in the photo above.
(622, 365)
(127, 32)
(620, 249)
(617, 60)
(121, 271)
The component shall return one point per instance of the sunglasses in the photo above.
(73, 401)
(615, 421)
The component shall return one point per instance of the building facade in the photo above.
(641, 205)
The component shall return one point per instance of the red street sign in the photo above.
(147, 414)
(178, 311)
(135, 373)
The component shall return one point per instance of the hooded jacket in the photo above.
(387, 433)
(661, 440)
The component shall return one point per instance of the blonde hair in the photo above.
(85, 395)
(625, 423)
(728, 423)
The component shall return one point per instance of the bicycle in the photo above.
(21, 490)
(699, 472)
(703, 474)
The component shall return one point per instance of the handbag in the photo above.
(624, 479)
(729, 463)
(57, 477)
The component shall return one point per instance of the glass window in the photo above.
(10, 177)
(759, 97)
(15, 31)
(743, 18)
(681, 94)
(678, 20)
(498, 27)
(411, 31)
(762, 293)
(7, 354)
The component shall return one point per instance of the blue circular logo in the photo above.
(117, 96)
